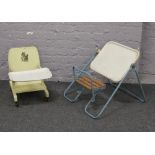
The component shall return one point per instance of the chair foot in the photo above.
(47, 96)
(15, 97)
(46, 99)
(16, 104)
(94, 116)
(78, 92)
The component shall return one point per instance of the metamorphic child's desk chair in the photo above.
(113, 61)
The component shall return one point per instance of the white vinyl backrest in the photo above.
(114, 60)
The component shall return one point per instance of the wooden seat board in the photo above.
(86, 82)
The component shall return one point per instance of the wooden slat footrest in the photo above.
(86, 82)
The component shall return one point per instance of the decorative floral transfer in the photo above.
(24, 57)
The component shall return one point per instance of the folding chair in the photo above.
(25, 72)
(114, 61)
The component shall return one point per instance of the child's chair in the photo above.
(25, 72)
(113, 61)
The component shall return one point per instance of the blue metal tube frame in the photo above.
(77, 73)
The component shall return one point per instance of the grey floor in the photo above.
(34, 114)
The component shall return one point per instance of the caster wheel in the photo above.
(46, 99)
(16, 104)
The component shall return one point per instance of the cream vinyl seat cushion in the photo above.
(114, 61)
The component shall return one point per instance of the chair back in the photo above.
(114, 60)
(23, 58)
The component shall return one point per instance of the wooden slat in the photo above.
(95, 82)
(86, 82)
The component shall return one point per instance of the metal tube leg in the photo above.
(141, 88)
(132, 93)
(78, 93)
(106, 104)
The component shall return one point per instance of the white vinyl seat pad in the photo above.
(114, 61)
(30, 75)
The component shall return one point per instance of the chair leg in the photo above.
(46, 93)
(97, 115)
(79, 92)
(143, 99)
(45, 90)
(140, 85)
(13, 92)
(15, 97)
